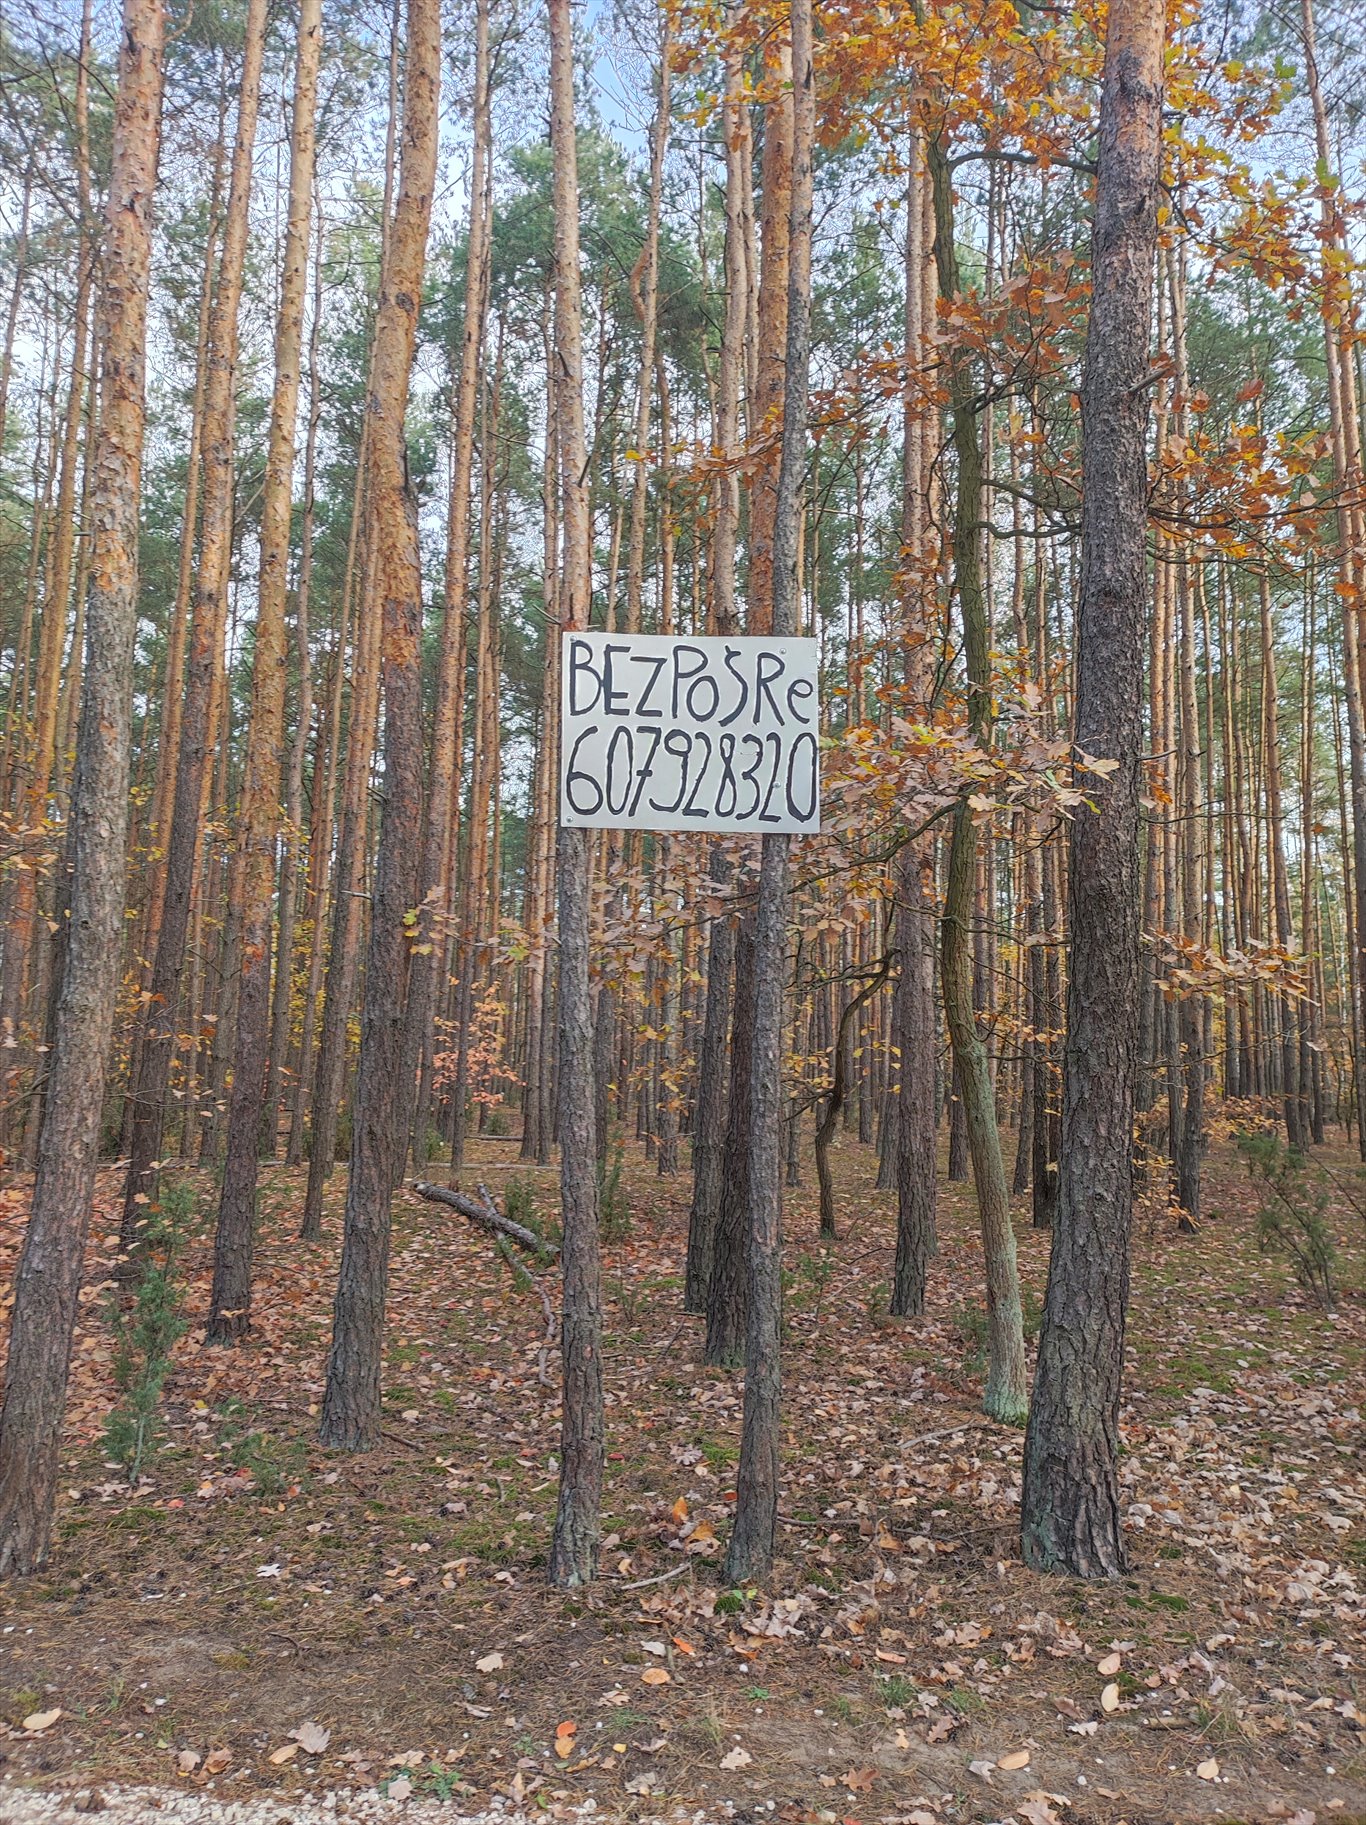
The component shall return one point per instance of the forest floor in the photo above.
(263, 1620)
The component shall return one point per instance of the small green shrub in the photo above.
(272, 1464)
(614, 1213)
(519, 1201)
(147, 1332)
(1291, 1216)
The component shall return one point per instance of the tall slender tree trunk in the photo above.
(384, 1085)
(727, 1298)
(50, 1265)
(1006, 1395)
(448, 724)
(206, 654)
(710, 1107)
(752, 1540)
(574, 1547)
(913, 1003)
(348, 872)
(293, 846)
(1071, 1508)
(1351, 523)
(230, 1304)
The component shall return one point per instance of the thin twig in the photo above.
(638, 1584)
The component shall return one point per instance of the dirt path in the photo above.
(136, 1805)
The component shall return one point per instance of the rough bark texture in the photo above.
(230, 1307)
(574, 1548)
(750, 1553)
(351, 1401)
(727, 1277)
(709, 1109)
(914, 1015)
(49, 1276)
(1071, 1511)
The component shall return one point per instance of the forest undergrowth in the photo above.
(261, 1615)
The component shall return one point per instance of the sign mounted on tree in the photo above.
(659, 733)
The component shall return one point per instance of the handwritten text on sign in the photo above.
(659, 733)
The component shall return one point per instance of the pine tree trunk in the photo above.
(293, 847)
(206, 646)
(574, 1548)
(1006, 1395)
(349, 868)
(384, 1085)
(50, 1264)
(448, 721)
(1071, 1508)
(752, 1541)
(913, 1008)
(230, 1304)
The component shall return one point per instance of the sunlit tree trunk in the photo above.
(258, 822)
(293, 844)
(349, 869)
(383, 1100)
(50, 1264)
(206, 649)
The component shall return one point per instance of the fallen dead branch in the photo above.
(486, 1214)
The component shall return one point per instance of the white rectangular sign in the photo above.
(660, 733)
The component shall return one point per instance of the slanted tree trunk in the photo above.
(384, 1084)
(49, 1276)
(750, 1553)
(230, 1304)
(1006, 1395)
(1071, 1508)
(574, 1547)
